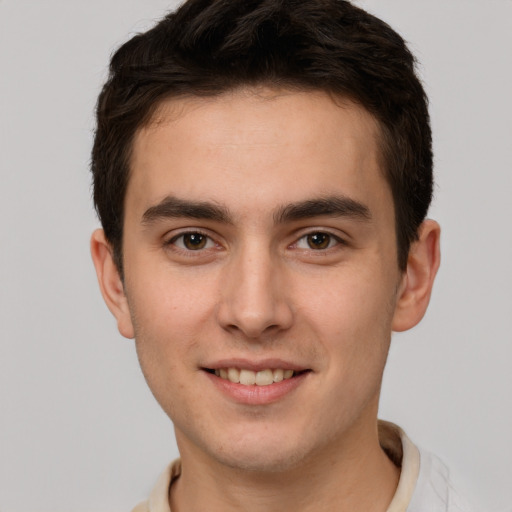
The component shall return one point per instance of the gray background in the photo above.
(79, 431)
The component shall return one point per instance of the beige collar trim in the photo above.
(398, 446)
(159, 497)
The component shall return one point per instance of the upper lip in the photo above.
(254, 365)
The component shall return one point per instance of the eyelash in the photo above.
(172, 241)
(333, 241)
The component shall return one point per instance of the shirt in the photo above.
(424, 484)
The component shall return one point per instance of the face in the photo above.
(261, 273)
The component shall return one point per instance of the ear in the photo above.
(418, 279)
(110, 282)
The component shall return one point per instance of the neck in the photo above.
(354, 475)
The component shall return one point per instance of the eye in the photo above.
(192, 241)
(317, 241)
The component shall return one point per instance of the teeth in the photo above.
(278, 375)
(288, 374)
(250, 378)
(233, 375)
(264, 378)
(247, 377)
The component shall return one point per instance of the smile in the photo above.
(256, 383)
(253, 378)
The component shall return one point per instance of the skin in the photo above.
(263, 287)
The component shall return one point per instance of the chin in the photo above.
(259, 462)
(262, 453)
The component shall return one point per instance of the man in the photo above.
(263, 171)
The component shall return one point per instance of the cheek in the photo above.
(164, 347)
(352, 319)
(170, 304)
(347, 300)
(168, 316)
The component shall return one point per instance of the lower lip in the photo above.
(257, 395)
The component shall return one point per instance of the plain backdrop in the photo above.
(79, 430)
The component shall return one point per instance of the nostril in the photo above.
(253, 303)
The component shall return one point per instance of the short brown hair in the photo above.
(207, 47)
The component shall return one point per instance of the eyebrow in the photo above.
(172, 207)
(331, 206)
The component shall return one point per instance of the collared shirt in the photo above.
(424, 484)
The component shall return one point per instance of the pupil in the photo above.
(194, 241)
(318, 240)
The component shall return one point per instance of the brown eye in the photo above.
(193, 241)
(318, 241)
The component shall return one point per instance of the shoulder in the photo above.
(435, 491)
(141, 507)
(159, 498)
(425, 483)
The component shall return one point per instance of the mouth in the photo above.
(247, 377)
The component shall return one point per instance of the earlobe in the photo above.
(110, 282)
(418, 279)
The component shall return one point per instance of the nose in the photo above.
(254, 299)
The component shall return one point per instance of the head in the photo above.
(209, 47)
(262, 170)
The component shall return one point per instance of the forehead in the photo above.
(253, 144)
